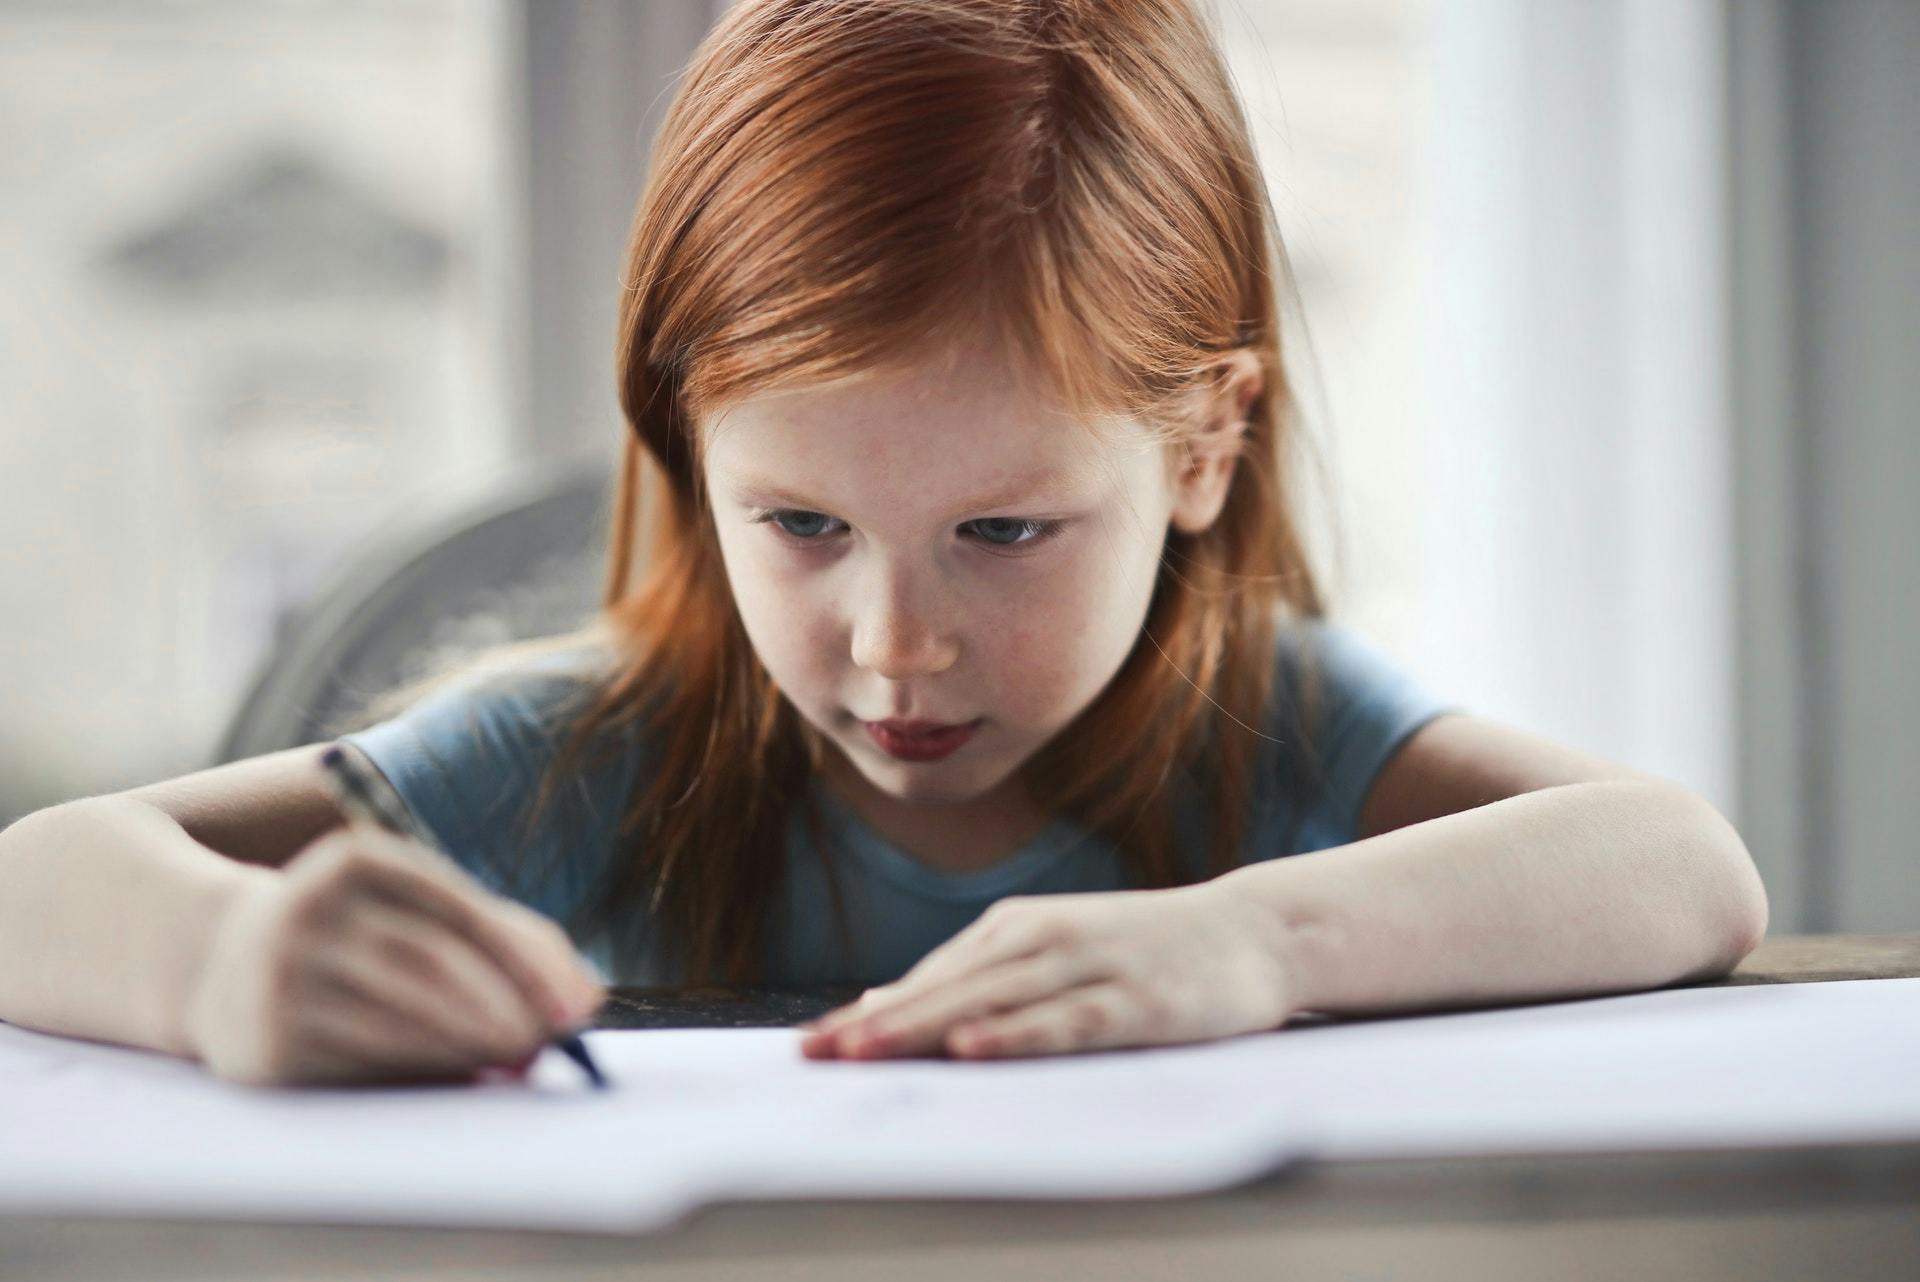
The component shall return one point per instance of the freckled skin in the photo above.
(899, 603)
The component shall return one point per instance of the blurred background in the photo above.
(1610, 352)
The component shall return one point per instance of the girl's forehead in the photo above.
(830, 450)
(756, 447)
(898, 416)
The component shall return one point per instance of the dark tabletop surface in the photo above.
(757, 1006)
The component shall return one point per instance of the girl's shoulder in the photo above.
(1342, 704)
(1341, 658)
(519, 704)
(543, 682)
(469, 758)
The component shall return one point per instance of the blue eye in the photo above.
(807, 527)
(1034, 531)
(805, 518)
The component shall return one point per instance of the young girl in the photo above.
(976, 655)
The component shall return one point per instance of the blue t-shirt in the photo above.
(468, 758)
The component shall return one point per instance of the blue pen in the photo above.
(364, 796)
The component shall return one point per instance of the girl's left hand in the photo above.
(1051, 974)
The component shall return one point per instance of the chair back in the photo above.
(522, 560)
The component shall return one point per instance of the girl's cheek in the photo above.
(786, 617)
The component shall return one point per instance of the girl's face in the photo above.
(923, 548)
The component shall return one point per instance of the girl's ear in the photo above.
(1200, 483)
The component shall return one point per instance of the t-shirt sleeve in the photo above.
(1367, 707)
(468, 761)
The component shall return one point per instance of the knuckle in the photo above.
(1126, 966)
(358, 863)
(325, 848)
(313, 908)
(274, 1061)
(1060, 929)
(507, 1024)
(509, 1036)
(1153, 1005)
(313, 863)
(556, 935)
(1022, 1040)
(280, 982)
(544, 930)
(529, 1029)
(1013, 917)
(332, 870)
(1092, 1019)
(341, 852)
(415, 956)
(1004, 907)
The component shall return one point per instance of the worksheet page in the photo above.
(697, 1115)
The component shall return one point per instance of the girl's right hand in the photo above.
(362, 961)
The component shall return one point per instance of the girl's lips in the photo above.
(929, 746)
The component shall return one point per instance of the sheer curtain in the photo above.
(1580, 570)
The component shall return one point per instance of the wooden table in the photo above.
(1850, 1212)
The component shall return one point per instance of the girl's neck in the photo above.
(963, 837)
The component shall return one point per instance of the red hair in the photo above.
(846, 187)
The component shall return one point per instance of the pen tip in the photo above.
(576, 1050)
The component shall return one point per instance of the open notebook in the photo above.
(698, 1115)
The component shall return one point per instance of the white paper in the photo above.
(708, 1114)
(695, 1115)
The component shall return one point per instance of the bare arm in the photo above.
(1588, 887)
(1491, 865)
(228, 916)
(107, 904)
(106, 910)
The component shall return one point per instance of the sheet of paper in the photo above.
(710, 1114)
(1762, 1065)
(695, 1115)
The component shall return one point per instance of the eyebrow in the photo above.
(765, 493)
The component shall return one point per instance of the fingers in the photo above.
(377, 1042)
(918, 1023)
(439, 988)
(1009, 928)
(377, 964)
(536, 959)
(1097, 1016)
(1000, 935)
(581, 991)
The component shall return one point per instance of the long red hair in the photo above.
(845, 187)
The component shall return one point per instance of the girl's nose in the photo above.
(898, 643)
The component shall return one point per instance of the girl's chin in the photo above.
(941, 783)
(927, 783)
